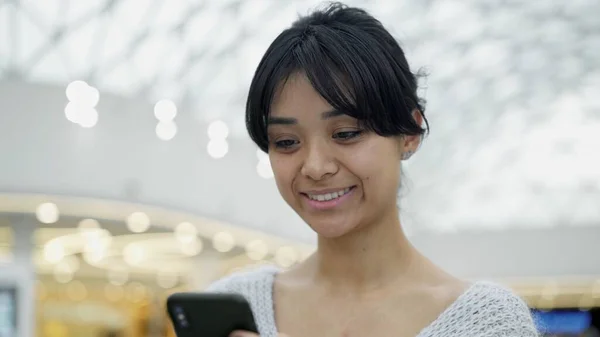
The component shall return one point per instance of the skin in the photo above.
(366, 279)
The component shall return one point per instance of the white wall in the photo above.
(550, 253)
(122, 159)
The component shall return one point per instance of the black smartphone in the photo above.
(209, 315)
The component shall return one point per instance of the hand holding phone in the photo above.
(251, 334)
(210, 315)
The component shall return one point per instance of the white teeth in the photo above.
(328, 196)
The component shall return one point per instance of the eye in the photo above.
(347, 135)
(285, 143)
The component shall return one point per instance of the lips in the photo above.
(322, 200)
(326, 196)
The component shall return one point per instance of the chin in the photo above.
(331, 230)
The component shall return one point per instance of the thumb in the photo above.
(239, 333)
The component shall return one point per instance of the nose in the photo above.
(319, 162)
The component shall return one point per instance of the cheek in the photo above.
(283, 174)
(378, 166)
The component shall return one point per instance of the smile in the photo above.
(321, 201)
(328, 196)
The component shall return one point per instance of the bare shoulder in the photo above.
(445, 289)
(242, 281)
(453, 288)
(292, 278)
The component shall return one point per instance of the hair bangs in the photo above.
(344, 80)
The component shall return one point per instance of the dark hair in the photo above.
(351, 60)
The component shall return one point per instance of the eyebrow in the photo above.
(291, 121)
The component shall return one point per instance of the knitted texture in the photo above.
(485, 310)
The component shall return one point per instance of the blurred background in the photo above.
(126, 172)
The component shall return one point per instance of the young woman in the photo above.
(335, 105)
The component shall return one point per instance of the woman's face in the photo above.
(335, 175)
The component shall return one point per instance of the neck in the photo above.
(368, 259)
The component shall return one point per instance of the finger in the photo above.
(241, 333)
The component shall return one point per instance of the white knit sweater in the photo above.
(484, 310)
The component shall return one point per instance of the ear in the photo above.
(412, 143)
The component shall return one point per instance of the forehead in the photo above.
(296, 95)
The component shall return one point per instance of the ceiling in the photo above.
(512, 87)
